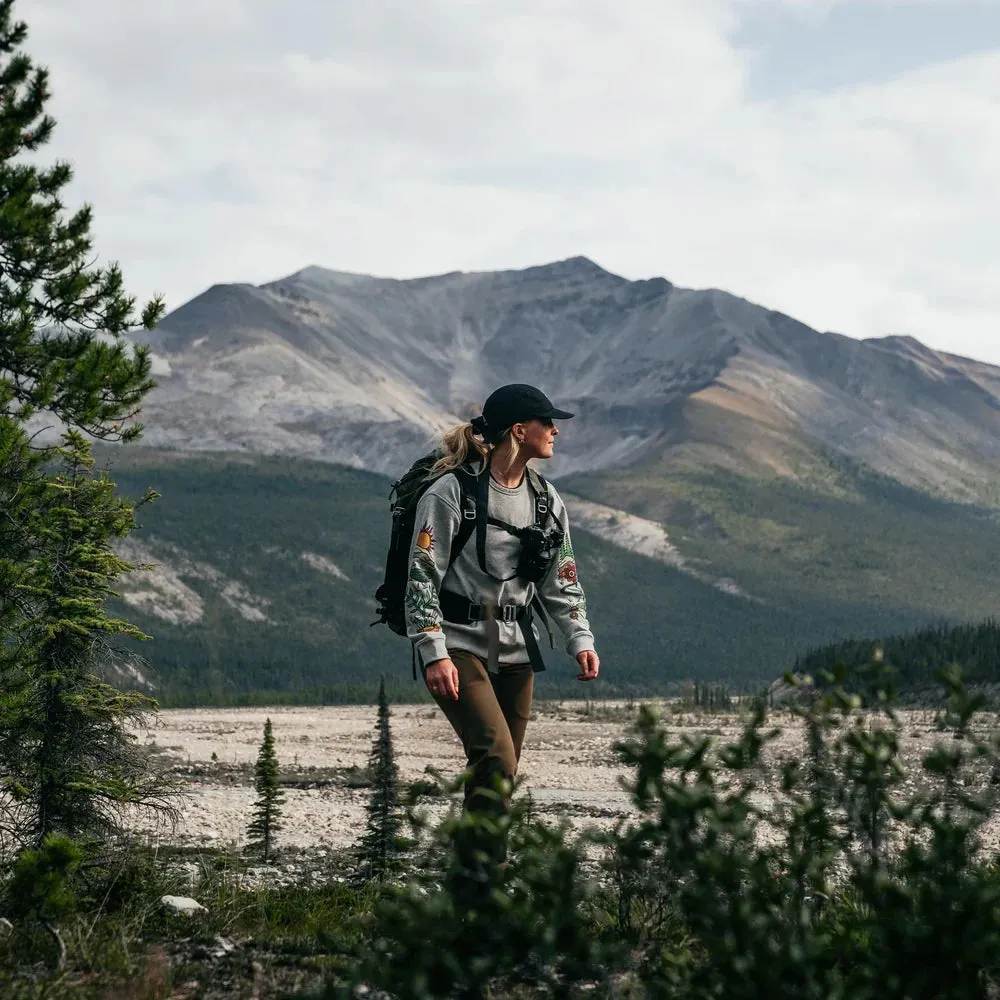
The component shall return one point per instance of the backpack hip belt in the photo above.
(461, 611)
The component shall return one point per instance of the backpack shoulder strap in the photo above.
(543, 499)
(482, 510)
(467, 480)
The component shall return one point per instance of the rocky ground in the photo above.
(569, 764)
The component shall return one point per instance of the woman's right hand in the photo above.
(442, 679)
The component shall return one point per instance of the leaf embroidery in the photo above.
(421, 597)
(567, 576)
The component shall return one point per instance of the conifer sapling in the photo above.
(267, 808)
(379, 847)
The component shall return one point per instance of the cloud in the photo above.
(239, 140)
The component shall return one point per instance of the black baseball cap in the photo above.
(514, 404)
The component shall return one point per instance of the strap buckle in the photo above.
(509, 613)
(469, 515)
(475, 613)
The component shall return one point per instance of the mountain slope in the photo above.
(267, 566)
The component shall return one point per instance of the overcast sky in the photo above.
(839, 161)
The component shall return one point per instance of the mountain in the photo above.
(364, 371)
(742, 487)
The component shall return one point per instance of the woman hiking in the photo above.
(470, 621)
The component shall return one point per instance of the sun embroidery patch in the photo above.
(425, 540)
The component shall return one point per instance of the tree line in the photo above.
(915, 658)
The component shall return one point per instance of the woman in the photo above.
(476, 651)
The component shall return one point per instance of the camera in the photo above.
(539, 549)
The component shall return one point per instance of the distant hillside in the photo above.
(866, 539)
(267, 566)
(916, 658)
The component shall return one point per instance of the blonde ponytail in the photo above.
(461, 442)
(458, 445)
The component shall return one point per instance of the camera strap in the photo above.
(543, 510)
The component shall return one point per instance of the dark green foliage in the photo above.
(267, 809)
(67, 763)
(464, 924)
(708, 697)
(861, 880)
(39, 887)
(916, 658)
(40, 882)
(870, 882)
(68, 757)
(53, 301)
(231, 511)
(379, 848)
(847, 535)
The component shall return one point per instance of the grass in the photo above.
(282, 940)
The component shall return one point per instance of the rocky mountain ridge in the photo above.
(365, 372)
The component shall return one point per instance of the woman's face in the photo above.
(536, 437)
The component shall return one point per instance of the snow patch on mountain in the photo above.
(157, 589)
(243, 602)
(324, 565)
(637, 534)
(157, 585)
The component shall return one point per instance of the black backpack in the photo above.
(403, 499)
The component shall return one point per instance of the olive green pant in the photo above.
(490, 718)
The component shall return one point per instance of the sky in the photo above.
(838, 160)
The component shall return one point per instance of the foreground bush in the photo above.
(843, 882)
(850, 878)
(466, 921)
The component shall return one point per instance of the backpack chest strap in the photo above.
(543, 509)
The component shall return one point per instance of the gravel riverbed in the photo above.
(569, 764)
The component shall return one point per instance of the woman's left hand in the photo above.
(590, 664)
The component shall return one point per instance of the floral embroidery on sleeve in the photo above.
(568, 579)
(421, 595)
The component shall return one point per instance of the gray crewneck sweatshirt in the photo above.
(438, 516)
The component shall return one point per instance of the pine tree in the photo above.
(378, 852)
(73, 762)
(63, 355)
(267, 808)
